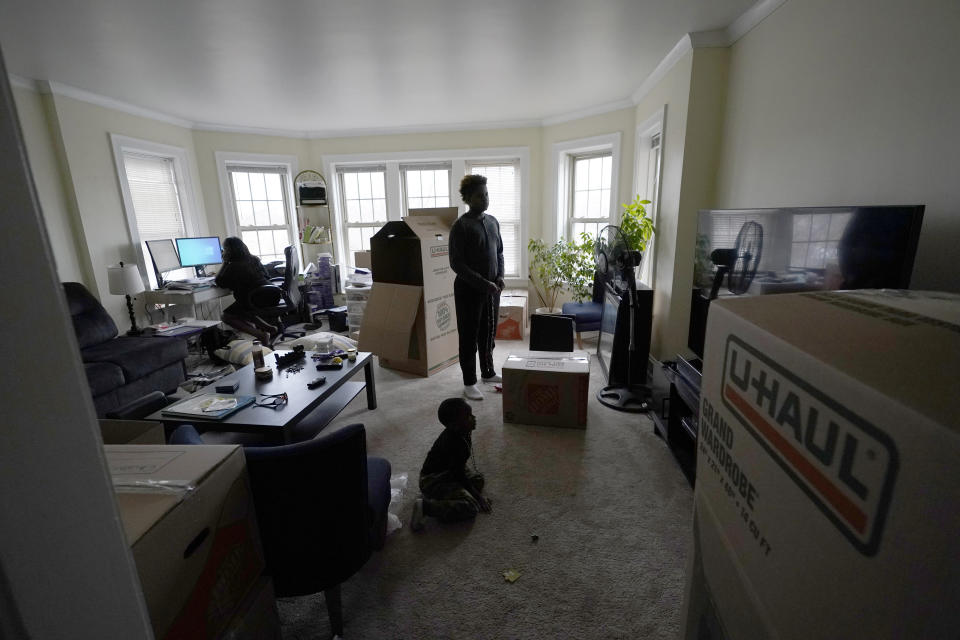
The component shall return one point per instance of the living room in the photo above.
(812, 105)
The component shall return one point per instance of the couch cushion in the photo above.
(91, 322)
(137, 356)
(103, 377)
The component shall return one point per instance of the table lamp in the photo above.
(125, 280)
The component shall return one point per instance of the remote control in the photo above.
(313, 384)
(329, 366)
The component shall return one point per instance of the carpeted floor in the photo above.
(611, 509)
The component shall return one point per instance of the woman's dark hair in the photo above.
(451, 409)
(469, 184)
(234, 250)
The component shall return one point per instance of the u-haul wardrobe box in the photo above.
(827, 500)
(410, 320)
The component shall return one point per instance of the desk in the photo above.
(321, 404)
(169, 297)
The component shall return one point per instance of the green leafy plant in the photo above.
(566, 264)
(636, 225)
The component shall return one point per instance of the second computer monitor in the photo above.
(199, 252)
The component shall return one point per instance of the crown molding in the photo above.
(626, 103)
(682, 48)
(23, 83)
(67, 91)
(257, 131)
(751, 18)
(417, 129)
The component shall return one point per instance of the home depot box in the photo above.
(546, 387)
(410, 319)
(511, 318)
(827, 499)
(189, 520)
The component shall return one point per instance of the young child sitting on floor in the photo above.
(450, 492)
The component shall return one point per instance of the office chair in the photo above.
(586, 315)
(321, 508)
(282, 302)
(551, 332)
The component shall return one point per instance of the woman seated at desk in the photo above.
(242, 272)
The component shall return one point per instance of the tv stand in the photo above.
(675, 417)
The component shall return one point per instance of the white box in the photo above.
(546, 387)
(188, 515)
(827, 499)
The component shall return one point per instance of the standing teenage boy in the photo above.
(476, 256)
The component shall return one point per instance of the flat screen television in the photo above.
(803, 249)
(199, 252)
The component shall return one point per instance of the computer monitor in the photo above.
(199, 252)
(164, 257)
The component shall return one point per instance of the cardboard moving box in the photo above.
(410, 319)
(827, 499)
(511, 319)
(546, 387)
(188, 515)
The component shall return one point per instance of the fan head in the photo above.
(746, 257)
(610, 249)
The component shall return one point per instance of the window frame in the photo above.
(516, 164)
(458, 159)
(645, 174)
(339, 187)
(253, 161)
(428, 166)
(194, 224)
(564, 155)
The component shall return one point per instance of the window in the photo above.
(257, 195)
(815, 239)
(262, 211)
(426, 186)
(156, 198)
(364, 200)
(590, 199)
(503, 185)
(371, 189)
(586, 186)
(654, 154)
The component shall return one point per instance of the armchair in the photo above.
(321, 507)
(279, 303)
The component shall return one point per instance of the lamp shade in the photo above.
(124, 279)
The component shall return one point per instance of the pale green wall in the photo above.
(85, 133)
(845, 103)
(669, 332)
(59, 215)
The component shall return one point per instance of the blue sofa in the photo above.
(124, 368)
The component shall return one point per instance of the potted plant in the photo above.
(636, 225)
(566, 264)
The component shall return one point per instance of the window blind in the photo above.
(503, 186)
(155, 195)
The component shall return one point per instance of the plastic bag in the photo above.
(398, 483)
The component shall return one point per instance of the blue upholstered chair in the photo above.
(586, 315)
(321, 507)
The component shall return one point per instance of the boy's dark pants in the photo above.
(447, 500)
(477, 325)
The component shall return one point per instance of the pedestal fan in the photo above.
(616, 262)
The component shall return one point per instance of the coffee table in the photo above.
(321, 404)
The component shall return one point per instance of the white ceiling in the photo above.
(324, 66)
